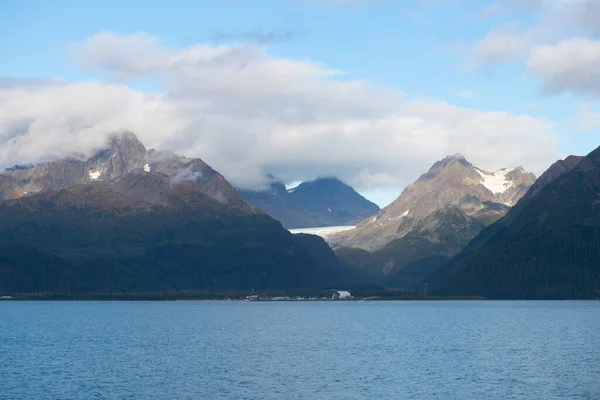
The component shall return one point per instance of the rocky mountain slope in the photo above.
(318, 203)
(547, 246)
(123, 154)
(451, 187)
(131, 220)
(143, 232)
(434, 217)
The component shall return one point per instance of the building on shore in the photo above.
(340, 295)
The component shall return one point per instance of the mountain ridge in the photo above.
(547, 246)
(142, 232)
(122, 154)
(431, 221)
(325, 201)
(450, 181)
(129, 220)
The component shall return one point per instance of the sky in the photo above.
(373, 92)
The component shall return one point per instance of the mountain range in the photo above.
(127, 219)
(318, 203)
(123, 153)
(547, 246)
(432, 220)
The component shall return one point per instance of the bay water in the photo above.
(300, 350)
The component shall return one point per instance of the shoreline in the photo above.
(242, 298)
(225, 296)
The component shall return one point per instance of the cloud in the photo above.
(42, 122)
(571, 65)
(248, 113)
(186, 175)
(29, 82)
(553, 20)
(256, 36)
(558, 44)
(506, 43)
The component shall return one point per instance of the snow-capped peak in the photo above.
(496, 181)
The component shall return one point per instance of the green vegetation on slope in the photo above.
(94, 238)
(407, 262)
(548, 245)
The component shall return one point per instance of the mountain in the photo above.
(143, 232)
(318, 203)
(434, 217)
(172, 224)
(452, 187)
(547, 246)
(122, 154)
(555, 170)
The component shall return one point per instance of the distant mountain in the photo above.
(451, 187)
(434, 217)
(318, 203)
(547, 246)
(131, 220)
(122, 154)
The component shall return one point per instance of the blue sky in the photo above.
(453, 64)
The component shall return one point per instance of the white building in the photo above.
(340, 295)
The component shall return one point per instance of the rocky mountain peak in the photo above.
(122, 154)
(479, 194)
(323, 185)
(452, 163)
(457, 156)
(546, 246)
(325, 201)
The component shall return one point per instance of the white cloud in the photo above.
(556, 44)
(247, 113)
(505, 43)
(43, 121)
(547, 22)
(569, 65)
(127, 56)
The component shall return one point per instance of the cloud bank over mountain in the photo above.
(247, 112)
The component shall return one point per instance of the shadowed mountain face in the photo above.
(142, 232)
(123, 154)
(434, 217)
(547, 246)
(128, 220)
(318, 203)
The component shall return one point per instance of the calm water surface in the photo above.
(299, 350)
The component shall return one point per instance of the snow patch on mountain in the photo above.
(147, 167)
(94, 175)
(496, 181)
